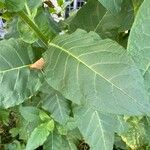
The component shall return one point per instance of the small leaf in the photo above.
(39, 135)
(44, 116)
(4, 116)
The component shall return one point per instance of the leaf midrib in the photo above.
(65, 50)
(16, 68)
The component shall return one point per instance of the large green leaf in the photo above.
(96, 128)
(86, 69)
(17, 81)
(102, 21)
(55, 103)
(112, 5)
(139, 41)
(39, 135)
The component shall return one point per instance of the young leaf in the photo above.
(113, 5)
(39, 135)
(85, 68)
(55, 103)
(17, 81)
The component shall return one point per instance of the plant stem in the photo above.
(33, 26)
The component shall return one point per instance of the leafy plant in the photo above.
(78, 84)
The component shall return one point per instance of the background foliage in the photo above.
(78, 83)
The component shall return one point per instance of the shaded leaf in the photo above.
(102, 21)
(113, 5)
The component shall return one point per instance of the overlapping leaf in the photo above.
(55, 103)
(15, 6)
(41, 26)
(102, 21)
(139, 41)
(56, 141)
(96, 128)
(85, 68)
(112, 5)
(39, 135)
(17, 81)
(138, 134)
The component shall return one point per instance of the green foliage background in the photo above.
(93, 91)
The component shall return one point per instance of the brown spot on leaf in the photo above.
(39, 64)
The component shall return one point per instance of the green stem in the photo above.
(28, 10)
(33, 26)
